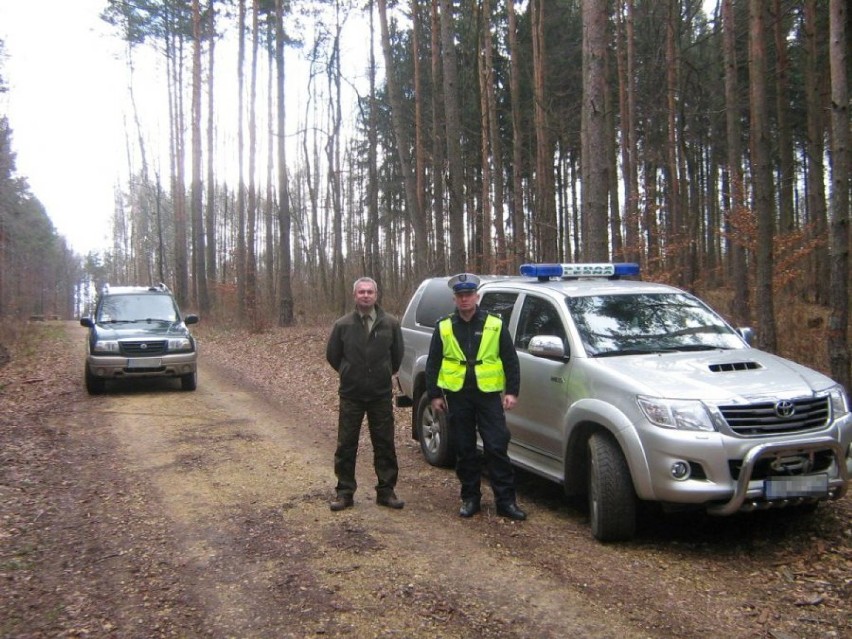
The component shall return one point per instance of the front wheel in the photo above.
(612, 500)
(94, 385)
(433, 434)
(189, 381)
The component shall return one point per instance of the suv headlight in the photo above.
(105, 346)
(839, 401)
(177, 344)
(676, 413)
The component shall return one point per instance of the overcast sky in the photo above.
(66, 92)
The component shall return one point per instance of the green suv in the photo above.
(138, 332)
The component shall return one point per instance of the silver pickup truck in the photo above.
(639, 391)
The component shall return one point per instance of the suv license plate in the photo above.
(146, 362)
(801, 486)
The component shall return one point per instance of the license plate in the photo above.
(802, 486)
(146, 362)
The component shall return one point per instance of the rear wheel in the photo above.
(612, 501)
(189, 381)
(94, 385)
(433, 434)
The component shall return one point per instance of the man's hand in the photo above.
(438, 404)
(509, 402)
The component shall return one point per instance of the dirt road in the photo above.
(152, 512)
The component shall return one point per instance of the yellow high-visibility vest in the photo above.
(488, 367)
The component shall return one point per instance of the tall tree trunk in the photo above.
(764, 200)
(333, 158)
(625, 50)
(416, 218)
(838, 322)
(676, 225)
(250, 299)
(240, 253)
(452, 116)
(736, 202)
(485, 72)
(199, 271)
(496, 150)
(419, 142)
(182, 293)
(268, 225)
(815, 152)
(595, 141)
(518, 218)
(441, 264)
(371, 237)
(285, 292)
(544, 214)
(786, 176)
(211, 184)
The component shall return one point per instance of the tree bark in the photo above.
(458, 254)
(764, 201)
(736, 201)
(838, 322)
(594, 159)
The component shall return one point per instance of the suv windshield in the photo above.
(132, 308)
(648, 323)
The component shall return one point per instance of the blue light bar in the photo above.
(606, 269)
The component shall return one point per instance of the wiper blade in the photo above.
(630, 351)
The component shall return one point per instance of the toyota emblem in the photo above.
(145, 347)
(785, 408)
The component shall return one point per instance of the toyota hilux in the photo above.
(634, 391)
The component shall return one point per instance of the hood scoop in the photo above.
(728, 367)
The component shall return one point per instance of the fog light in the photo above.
(680, 470)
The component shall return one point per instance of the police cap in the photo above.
(463, 282)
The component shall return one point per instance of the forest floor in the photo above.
(152, 512)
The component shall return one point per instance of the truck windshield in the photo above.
(134, 308)
(612, 325)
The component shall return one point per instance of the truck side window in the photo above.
(500, 304)
(538, 317)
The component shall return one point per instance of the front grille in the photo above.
(143, 348)
(777, 417)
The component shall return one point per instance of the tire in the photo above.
(94, 385)
(612, 500)
(189, 382)
(433, 434)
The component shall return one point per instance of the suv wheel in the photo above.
(612, 502)
(433, 434)
(94, 385)
(189, 382)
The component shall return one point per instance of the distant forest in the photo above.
(707, 141)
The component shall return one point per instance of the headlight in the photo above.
(839, 401)
(177, 344)
(105, 346)
(676, 413)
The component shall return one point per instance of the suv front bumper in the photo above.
(116, 367)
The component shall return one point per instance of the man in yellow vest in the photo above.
(473, 374)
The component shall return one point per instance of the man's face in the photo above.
(365, 297)
(466, 301)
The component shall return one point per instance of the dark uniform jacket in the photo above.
(469, 335)
(365, 364)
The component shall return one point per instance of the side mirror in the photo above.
(191, 319)
(87, 322)
(547, 346)
(747, 333)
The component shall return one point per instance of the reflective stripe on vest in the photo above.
(488, 366)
